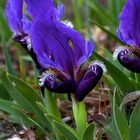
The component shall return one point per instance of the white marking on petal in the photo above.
(42, 78)
(92, 64)
(45, 76)
(29, 46)
(117, 51)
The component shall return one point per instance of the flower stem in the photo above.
(80, 115)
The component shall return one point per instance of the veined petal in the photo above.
(80, 48)
(129, 28)
(50, 44)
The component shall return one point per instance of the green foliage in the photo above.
(120, 122)
(106, 15)
(134, 130)
(80, 115)
(89, 132)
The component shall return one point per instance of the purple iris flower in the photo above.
(59, 51)
(129, 32)
(62, 52)
(20, 24)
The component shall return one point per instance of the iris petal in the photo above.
(17, 21)
(81, 49)
(88, 82)
(50, 44)
(129, 27)
(51, 82)
(132, 64)
(60, 11)
(14, 15)
(34, 7)
(68, 86)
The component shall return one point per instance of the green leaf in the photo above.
(120, 122)
(25, 90)
(111, 129)
(31, 96)
(42, 107)
(89, 132)
(137, 76)
(10, 88)
(117, 75)
(3, 93)
(134, 131)
(50, 104)
(58, 134)
(3, 22)
(115, 7)
(29, 121)
(6, 106)
(98, 10)
(77, 14)
(70, 135)
(52, 118)
(25, 96)
(80, 115)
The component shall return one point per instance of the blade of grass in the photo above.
(6, 54)
(89, 34)
(77, 16)
(4, 47)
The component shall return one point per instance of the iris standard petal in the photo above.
(129, 28)
(60, 11)
(88, 82)
(88, 51)
(14, 15)
(131, 63)
(80, 48)
(50, 44)
(17, 21)
(34, 7)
